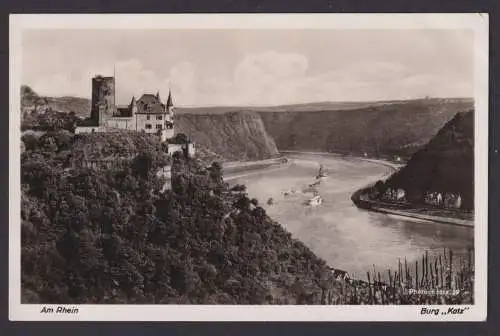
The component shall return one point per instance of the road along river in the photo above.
(346, 237)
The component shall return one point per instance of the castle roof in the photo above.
(150, 104)
(149, 98)
(123, 111)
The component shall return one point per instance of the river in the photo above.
(344, 236)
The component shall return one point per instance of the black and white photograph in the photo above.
(248, 167)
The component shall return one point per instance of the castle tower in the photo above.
(170, 104)
(103, 99)
(169, 117)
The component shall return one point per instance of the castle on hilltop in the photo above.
(147, 114)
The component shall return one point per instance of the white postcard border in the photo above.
(476, 22)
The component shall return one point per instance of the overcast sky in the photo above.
(253, 67)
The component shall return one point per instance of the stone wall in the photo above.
(89, 129)
(191, 150)
(123, 123)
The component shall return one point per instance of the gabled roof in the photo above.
(149, 98)
(150, 104)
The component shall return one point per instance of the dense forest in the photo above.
(111, 236)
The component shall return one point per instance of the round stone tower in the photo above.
(103, 98)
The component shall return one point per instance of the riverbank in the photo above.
(235, 170)
(411, 211)
(402, 210)
(390, 164)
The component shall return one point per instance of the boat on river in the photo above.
(321, 173)
(315, 200)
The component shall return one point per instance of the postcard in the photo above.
(248, 167)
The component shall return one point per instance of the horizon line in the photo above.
(283, 104)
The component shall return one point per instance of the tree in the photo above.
(216, 172)
(380, 186)
(180, 138)
(239, 188)
(142, 165)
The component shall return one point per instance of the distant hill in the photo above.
(313, 107)
(380, 129)
(445, 164)
(383, 128)
(31, 101)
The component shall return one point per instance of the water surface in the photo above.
(343, 235)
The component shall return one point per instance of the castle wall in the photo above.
(172, 148)
(122, 123)
(89, 129)
(191, 149)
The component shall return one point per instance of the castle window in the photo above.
(148, 126)
(147, 117)
(158, 127)
(159, 117)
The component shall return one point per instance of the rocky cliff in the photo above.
(234, 135)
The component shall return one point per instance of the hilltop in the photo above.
(31, 101)
(445, 164)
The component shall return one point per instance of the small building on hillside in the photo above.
(181, 143)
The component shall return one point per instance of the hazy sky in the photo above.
(253, 67)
